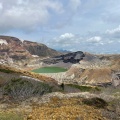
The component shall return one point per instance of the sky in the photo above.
(74, 25)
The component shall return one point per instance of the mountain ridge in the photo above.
(12, 47)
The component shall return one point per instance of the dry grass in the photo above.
(65, 109)
(97, 75)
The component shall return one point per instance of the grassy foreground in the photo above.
(10, 116)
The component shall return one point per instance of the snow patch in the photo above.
(22, 40)
(35, 55)
(2, 41)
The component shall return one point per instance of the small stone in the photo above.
(29, 117)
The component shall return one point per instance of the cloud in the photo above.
(111, 14)
(30, 15)
(67, 36)
(95, 39)
(74, 4)
(113, 33)
(66, 39)
(27, 14)
(101, 43)
(68, 16)
(75, 42)
(70, 10)
(1, 7)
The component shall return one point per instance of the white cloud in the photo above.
(100, 43)
(28, 14)
(70, 41)
(67, 36)
(65, 40)
(31, 15)
(95, 39)
(1, 6)
(114, 31)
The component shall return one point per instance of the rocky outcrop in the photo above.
(73, 58)
(116, 79)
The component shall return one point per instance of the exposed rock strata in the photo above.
(14, 48)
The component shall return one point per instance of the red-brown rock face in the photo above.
(11, 47)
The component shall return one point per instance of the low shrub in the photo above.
(22, 89)
(6, 70)
(96, 102)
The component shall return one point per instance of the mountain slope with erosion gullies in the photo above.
(13, 50)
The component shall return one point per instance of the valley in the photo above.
(39, 83)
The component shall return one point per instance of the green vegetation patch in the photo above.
(10, 116)
(49, 70)
(84, 88)
(6, 70)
